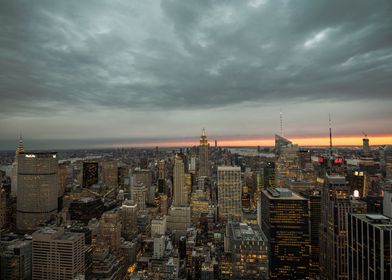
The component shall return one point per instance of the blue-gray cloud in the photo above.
(62, 56)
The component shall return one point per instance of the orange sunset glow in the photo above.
(252, 141)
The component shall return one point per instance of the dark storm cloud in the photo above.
(191, 54)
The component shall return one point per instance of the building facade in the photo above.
(336, 204)
(57, 254)
(285, 222)
(369, 247)
(203, 155)
(248, 247)
(37, 190)
(229, 193)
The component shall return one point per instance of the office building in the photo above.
(158, 226)
(57, 254)
(144, 177)
(15, 261)
(3, 208)
(269, 175)
(229, 193)
(180, 197)
(179, 219)
(388, 162)
(161, 170)
(139, 195)
(37, 189)
(336, 203)
(109, 231)
(14, 175)
(105, 265)
(285, 222)
(387, 201)
(109, 174)
(90, 173)
(248, 247)
(128, 213)
(369, 247)
(203, 155)
(280, 142)
(314, 198)
(287, 164)
(86, 208)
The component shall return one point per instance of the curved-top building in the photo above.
(37, 189)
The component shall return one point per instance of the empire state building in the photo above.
(203, 155)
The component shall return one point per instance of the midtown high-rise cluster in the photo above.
(201, 212)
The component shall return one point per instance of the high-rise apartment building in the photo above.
(369, 247)
(336, 203)
(203, 155)
(285, 222)
(180, 195)
(37, 189)
(229, 193)
(57, 254)
(248, 248)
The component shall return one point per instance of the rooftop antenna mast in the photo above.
(281, 122)
(330, 136)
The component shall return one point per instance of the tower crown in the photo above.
(203, 138)
(20, 148)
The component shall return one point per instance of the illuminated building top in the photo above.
(203, 138)
(20, 148)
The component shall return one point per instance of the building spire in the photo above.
(330, 136)
(281, 122)
(20, 148)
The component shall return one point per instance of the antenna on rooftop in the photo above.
(281, 122)
(330, 136)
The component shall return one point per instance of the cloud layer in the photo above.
(72, 57)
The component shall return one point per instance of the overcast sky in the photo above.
(141, 70)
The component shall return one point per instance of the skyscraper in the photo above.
(15, 261)
(229, 192)
(388, 162)
(37, 189)
(90, 173)
(180, 195)
(365, 146)
(336, 204)
(57, 254)
(14, 179)
(203, 155)
(248, 248)
(285, 222)
(109, 231)
(313, 196)
(369, 247)
(269, 175)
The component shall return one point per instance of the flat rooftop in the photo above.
(282, 193)
(246, 232)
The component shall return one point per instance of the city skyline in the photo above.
(157, 71)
